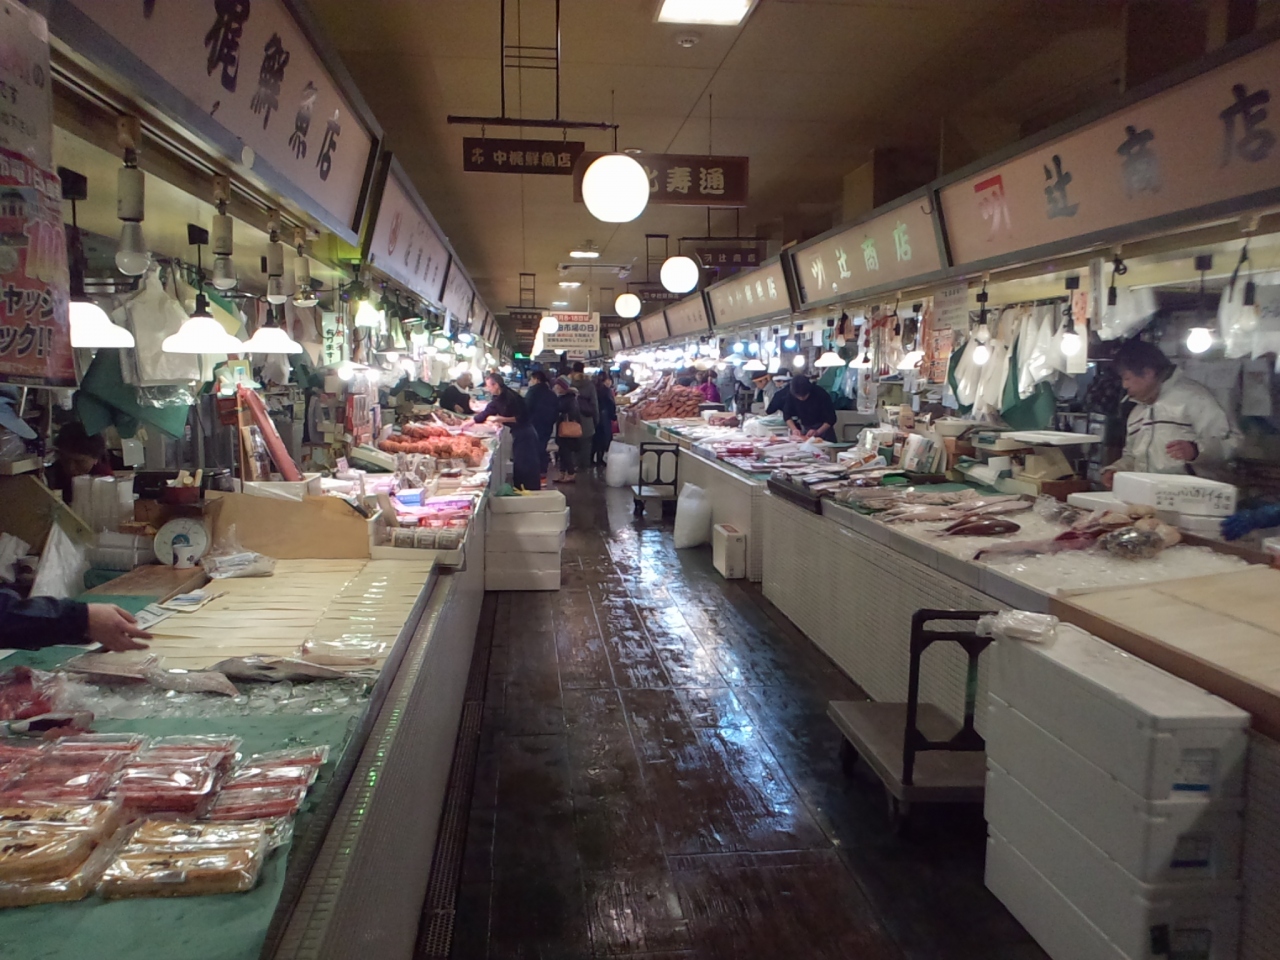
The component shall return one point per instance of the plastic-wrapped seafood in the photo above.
(1130, 543)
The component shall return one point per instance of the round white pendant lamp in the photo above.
(829, 359)
(1199, 339)
(798, 361)
(679, 274)
(91, 327)
(615, 188)
(627, 305)
(549, 324)
(754, 365)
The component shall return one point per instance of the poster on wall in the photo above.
(35, 337)
(26, 104)
(577, 331)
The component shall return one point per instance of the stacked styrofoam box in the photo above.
(523, 540)
(1113, 802)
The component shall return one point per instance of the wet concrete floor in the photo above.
(657, 778)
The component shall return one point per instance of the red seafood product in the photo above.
(257, 803)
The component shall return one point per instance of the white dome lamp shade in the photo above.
(200, 333)
(1199, 339)
(615, 188)
(90, 326)
(269, 338)
(679, 274)
(829, 359)
(755, 365)
(627, 305)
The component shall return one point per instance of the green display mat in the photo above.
(226, 927)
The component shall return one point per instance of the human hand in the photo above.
(1182, 450)
(114, 628)
(1108, 478)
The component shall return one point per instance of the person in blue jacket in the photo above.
(544, 411)
(46, 622)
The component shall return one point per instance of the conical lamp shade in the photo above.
(91, 327)
(271, 340)
(202, 334)
(829, 359)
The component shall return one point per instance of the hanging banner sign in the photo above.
(334, 342)
(631, 336)
(577, 331)
(405, 244)
(689, 317)
(35, 333)
(654, 327)
(26, 101)
(654, 293)
(887, 249)
(759, 295)
(731, 257)
(554, 157)
(1206, 147)
(684, 179)
(457, 295)
(615, 340)
(247, 70)
(525, 320)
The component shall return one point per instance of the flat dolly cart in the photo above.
(911, 746)
(657, 461)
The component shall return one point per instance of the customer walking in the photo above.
(589, 407)
(544, 411)
(707, 385)
(608, 417)
(568, 430)
(509, 409)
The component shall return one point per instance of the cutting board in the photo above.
(1221, 633)
(153, 580)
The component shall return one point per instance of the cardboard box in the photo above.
(323, 528)
(308, 486)
(729, 551)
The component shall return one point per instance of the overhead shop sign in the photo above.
(731, 256)
(554, 157)
(577, 331)
(878, 253)
(631, 335)
(405, 244)
(684, 179)
(759, 295)
(654, 327)
(1204, 148)
(458, 294)
(525, 320)
(688, 317)
(653, 293)
(245, 77)
(615, 340)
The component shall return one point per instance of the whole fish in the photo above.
(967, 527)
(1070, 540)
(922, 514)
(994, 509)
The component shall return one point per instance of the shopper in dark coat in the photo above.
(589, 408)
(508, 408)
(608, 416)
(568, 421)
(544, 411)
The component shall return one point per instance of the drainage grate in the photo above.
(435, 931)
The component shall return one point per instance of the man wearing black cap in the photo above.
(808, 410)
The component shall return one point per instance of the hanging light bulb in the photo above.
(368, 316)
(679, 274)
(1199, 339)
(981, 354)
(829, 359)
(132, 258)
(753, 348)
(221, 239)
(549, 324)
(305, 296)
(789, 343)
(275, 261)
(1070, 343)
(200, 333)
(798, 361)
(346, 370)
(90, 327)
(615, 188)
(627, 305)
(739, 347)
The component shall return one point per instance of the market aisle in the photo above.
(657, 778)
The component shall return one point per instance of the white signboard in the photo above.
(405, 245)
(26, 105)
(250, 68)
(577, 331)
(457, 296)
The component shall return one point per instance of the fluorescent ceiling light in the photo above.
(584, 253)
(559, 303)
(570, 284)
(713, 13)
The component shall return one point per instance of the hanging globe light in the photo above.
(549, 324)
(627, 305)
(615, 188)
(679, 274)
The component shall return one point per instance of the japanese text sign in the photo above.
(887, 249)
(577, 331)
(688, 317)
(654, 327)
(757, 295)
(525, 320)
(1210, 140)
(683, 179)
(556, 157)
(457, 294)
(250, 68)
(26, 101)
(653, 293)
(405, 244)
(730, 258)
(35, 334)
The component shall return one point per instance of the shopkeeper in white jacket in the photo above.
(1176, 426)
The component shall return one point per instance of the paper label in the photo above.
(1196, 771)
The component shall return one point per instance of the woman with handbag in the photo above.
(568, 430)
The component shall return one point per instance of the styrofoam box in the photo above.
(1095, 500)
(1063, 931)
(504, 523)
(530, 562)
(1155, 840)
(729, 551)
(538, 501)
(521, 579)
(1139, 918)
(1210, 527)
(1178, 492)
(525, 543)
(1158, 735)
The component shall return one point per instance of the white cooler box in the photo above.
(1191, 919)
(1155, 840)
(729, 551)
(501, 524)
(1177, 493)
(522, 571)
(1161, 737)
(525, 543)
(538, 501)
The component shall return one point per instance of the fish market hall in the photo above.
(668, 479)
